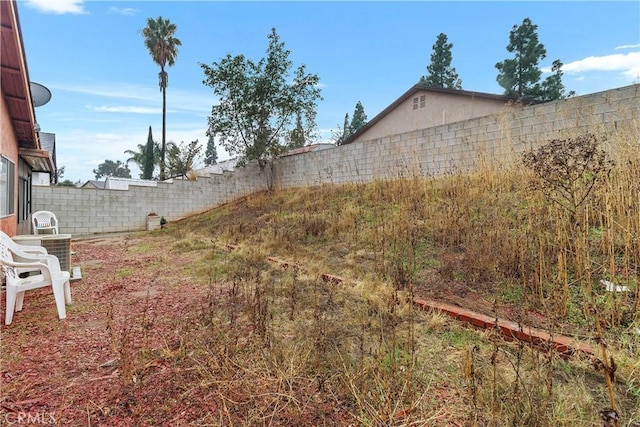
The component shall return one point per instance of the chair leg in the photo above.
(67, 292)
(11, 305)
(58, 294)
(19, 300)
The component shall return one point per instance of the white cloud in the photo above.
(125, 91)
(179, 100)
(125, 109)
(627, 64)
(628, 46)
(58, 7)
(128, 11)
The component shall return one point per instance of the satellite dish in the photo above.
(40, 94)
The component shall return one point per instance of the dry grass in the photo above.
(282, 347)
(274, 346)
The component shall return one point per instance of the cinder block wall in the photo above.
(460, 146)
(82, 211)
(463, 146)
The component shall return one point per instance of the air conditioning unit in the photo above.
(56, 244)
(60, 246)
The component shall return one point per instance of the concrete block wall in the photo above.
(459, 146)
(82, 211)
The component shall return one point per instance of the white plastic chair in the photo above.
(44, 220)
(16, 248)
(48, 266)
(29, 249)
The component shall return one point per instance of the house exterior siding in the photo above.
(9, 150)
(434, 109)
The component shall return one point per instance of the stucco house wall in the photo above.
(423, 107)
(8, 149)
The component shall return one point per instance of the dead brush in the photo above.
(129, 339)
(570, 174)
(509, 384)
(355, 346)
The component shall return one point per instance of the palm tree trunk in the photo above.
(164, 127)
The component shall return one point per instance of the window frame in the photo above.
(24, 199)
(7, 185)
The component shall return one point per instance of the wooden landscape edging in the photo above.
(565, 346)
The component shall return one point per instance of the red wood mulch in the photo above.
(70, 372)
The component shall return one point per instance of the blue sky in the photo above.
(104, 85)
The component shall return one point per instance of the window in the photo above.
(415, 103)
(7, 179)
(423, 101)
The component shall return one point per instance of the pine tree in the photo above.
(552, 87)
(441, 74)
(342, 136)
(211, 154)
(358, 120)
(149, 158)
(519, 76)
(296, 137)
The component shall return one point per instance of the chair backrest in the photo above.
(44, 220)
(9, 242)
(5, 255)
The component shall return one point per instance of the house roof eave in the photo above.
(14, 77)
(39, 160)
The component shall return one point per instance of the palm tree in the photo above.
(163, 47)
(139, 157)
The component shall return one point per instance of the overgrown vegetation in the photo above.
(276, 344)
(283, 347)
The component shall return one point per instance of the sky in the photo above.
(104, 84)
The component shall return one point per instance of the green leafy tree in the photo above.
(520, 75)
(163, 46)
(441, 74)
(358, 120)
(181, 158)
(110, 168)
(58, 174)
(58, 178)
(259, 102)
(552, 87)
(211, 155)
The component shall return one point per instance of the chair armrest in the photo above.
(51, 261)
(44, 269)
(31, 265)
(33, 249)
